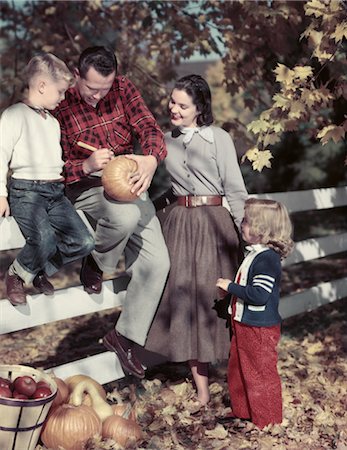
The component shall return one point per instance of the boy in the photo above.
(30, 148)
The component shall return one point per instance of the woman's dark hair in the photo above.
(198, 89)
(102, 59)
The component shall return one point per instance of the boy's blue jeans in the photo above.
(55, 234)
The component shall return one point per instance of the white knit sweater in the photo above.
(29, 146)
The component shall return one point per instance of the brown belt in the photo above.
(191, 201)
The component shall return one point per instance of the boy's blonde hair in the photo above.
(269, 220)
(47, 64)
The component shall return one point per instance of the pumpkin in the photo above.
(100, 406)
(121, 429)
(70, 427)
(62, 392)
(115, 178)
(74, 380)
(120, 408)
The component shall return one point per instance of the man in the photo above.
(105, 110)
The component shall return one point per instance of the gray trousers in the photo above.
(132, 229)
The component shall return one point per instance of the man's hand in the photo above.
(223, 283)
(4, 207)
(97, 160)
(142, 178)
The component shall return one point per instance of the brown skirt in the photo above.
(203, 246)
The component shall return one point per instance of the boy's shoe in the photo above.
(41, 283)
(91, 276)
(15, 290)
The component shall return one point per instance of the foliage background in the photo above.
(279, 86)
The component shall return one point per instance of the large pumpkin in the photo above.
(116, 176)
(70, 427)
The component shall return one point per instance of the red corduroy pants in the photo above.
(253, 379)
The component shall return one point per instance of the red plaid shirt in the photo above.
(111, 124)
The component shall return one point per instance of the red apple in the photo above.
(24, 385)
(19, 396)
(43, 383)
(42, 392)
(5, 392)
(4, 382)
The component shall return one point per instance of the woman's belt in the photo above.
(191, 201)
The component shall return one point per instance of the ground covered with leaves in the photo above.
(312, 364)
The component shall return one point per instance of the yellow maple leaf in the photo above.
(250, 154)
(263, 160)
(314, 8)
(281, 101)
(303, 72)
(334, 132)
(257, 126)
(340, 32)
(284, 75)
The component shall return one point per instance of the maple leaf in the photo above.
(297, 108)
(315, 8)
(251, 154)
(336, 133)
(271, 139)
(284, 75)
(340, 32)
(263, 160)
(258, 126)
(303, 72)
(280, 101)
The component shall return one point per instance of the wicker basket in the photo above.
(21, 420)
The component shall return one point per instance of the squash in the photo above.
(115, 178)
(122, 429)
(100, 406)
(62, 393)
(70, 427)
(73, 381)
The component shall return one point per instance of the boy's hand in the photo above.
(4, 207)
(223, 283)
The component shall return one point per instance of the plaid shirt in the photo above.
(111, 124)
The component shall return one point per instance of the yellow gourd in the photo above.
(100, 406)
(74, 380)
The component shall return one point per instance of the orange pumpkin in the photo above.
(70, 427)
(116, 176)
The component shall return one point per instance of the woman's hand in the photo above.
(4, 207)
(142, 178)
(223, 283)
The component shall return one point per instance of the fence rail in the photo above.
(74, 302)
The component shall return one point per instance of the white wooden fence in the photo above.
(73, 302)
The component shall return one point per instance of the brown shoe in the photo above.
(117, 343)
(41, 283)
(15, 290)
(91, 276)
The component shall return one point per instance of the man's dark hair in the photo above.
(102, 59)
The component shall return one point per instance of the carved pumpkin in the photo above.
(115, 178)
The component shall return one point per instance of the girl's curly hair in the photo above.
(269, 221)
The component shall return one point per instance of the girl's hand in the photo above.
(223, 283)
(4, 207)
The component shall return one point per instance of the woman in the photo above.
(202, 236)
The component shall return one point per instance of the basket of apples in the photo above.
(26, 395)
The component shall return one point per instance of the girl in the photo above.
(253, 379)
(201, 235)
